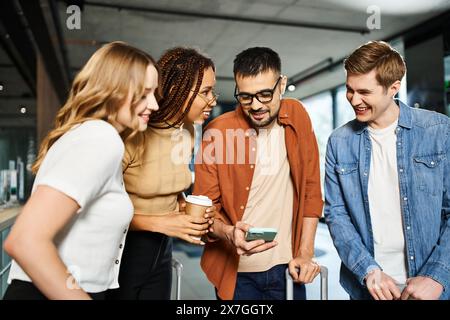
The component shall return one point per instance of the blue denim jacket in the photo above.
(423, 165)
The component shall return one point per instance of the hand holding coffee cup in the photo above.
(197, 206)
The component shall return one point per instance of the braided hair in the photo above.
(180, 68)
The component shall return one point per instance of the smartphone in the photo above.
(267, 234)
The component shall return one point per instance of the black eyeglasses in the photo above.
(263, 96)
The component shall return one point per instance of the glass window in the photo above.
(320, 110)
(344, 111)
(447, 82)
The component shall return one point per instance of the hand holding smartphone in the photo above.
(267, 234)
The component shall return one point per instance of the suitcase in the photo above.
(178, 266)
(323, 284)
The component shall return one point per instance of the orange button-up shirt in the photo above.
(224, 172)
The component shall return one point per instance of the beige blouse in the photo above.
(155, 181)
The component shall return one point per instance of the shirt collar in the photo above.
(404, 119)
(284, 116)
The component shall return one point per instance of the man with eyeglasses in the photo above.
(260, 166)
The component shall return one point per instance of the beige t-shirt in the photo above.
(154, 182)
(270, 200)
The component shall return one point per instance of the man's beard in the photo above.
(261, 124)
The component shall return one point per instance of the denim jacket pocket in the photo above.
(428, 172)
(431, 161)
(347, 173)
(345, 168)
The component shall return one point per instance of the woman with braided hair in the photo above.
(156, 178)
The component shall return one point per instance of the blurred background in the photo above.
(44, 43)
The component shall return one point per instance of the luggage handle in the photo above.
(178, 266)
(323, 284)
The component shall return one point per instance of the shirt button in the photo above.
(124, 231)
(253, 149)
(247, 188)
(242, 207)
(117, 261)
(412, 257)
(247, 134)
(401, 170)
(408, 227)
(365, 173)
(405, 198)
(432, 163)
(399, 143)
(120, 246)
(252, 166)
(343, 170)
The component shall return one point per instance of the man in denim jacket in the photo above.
(387, 186)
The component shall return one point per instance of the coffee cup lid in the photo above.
(199, 200)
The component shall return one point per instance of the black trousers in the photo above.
(24, 290)
(146, 268)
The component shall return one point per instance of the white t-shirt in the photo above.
(384, 204)
(86, 165)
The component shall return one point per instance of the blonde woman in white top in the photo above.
(67, 242)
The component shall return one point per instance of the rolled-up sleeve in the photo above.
(313, 194)
(206, 177)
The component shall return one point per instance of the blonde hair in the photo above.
(100, 89)
(379, 56)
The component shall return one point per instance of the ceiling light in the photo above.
(291, 88)
(389, 7)
(23, 110)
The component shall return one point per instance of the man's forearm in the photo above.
(221, 230)
(308, 236)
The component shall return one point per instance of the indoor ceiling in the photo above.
(308, 34)
(300, 48)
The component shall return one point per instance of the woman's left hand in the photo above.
(210, 214)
